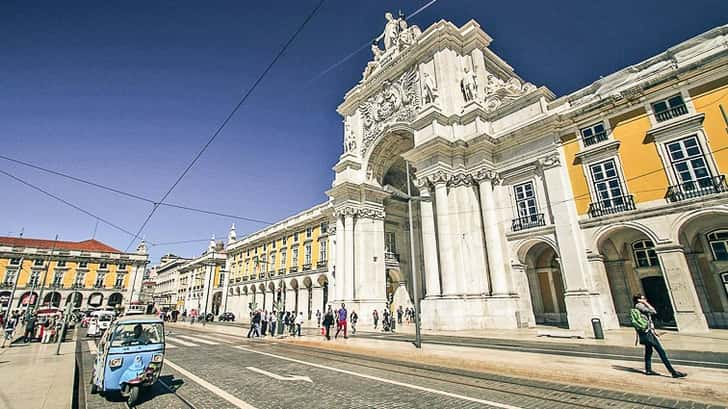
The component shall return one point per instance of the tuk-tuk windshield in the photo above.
(137, 334)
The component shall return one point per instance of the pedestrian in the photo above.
(318, 317)
(256, 323)
(10, 327)
(299, 322)
(328, 322)
(264, 323)
(393, 322)
(272, 322)
(641, 317)
(353, 318)
(47, 326)
(385, 320)
(400, 312)
(341, 323)
(29, 329)
(375, 318)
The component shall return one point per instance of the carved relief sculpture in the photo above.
(396, 37)
(396, 101)
(498, 92)
(429, 89)
(349, 138)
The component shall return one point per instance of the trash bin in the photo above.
(597, 327)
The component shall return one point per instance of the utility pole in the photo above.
(413, 263)
(66, 314)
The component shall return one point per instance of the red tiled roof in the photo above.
(86, 245)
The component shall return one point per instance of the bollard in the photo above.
(597, 327)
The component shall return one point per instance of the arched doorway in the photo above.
(28, 299)
(308, 284)
(323, 281)
(546, 285)
(115, 299)
(95, 300)
(216, 302)
(52, 299)
(77, 299)
(705, 241)
(4, 299)
(633, 267)
(294, 301)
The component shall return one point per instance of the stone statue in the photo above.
(469, 85)
(391, 31)
(429, 89)
(349, 138)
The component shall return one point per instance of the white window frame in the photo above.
(100, 277)
(119, 281)
(309, 232)
(57, 279)
(607, 131)
(669, 164)
(724, 242)
(13, 261)
(283, 258)
(646, 250)
(323, 250)
(10, 273)
(307, 256)
(34, 278)
(534, 197)
(592, 183)
(666, 94)
(294, 257)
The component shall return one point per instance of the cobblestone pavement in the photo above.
(262, 374)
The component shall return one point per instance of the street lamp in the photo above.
(400, 195)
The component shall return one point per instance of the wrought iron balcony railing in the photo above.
(390, 257)
(306, 267)
(697, 188)
(322, 263)
(595, 138)
(611, 206)
(293, 269)
(671, 113)
(528, 222)
(282, 271)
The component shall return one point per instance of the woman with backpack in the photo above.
(641, 317)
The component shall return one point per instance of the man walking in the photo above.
(272, 323)
(353, 318)
(342, 321)
(299, 323)
(641, 317)
(328, 322)
(375, 318)
(318, 317)
(29, 329)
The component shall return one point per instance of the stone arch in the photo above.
(95, 299)
(115, 299)
(540, 257)
(307, 282)
(522, 247)
(632, 267)
(386, 149)
(28, 298)
(52, 299)
(698, 233)
(216, 302)
(5, 299)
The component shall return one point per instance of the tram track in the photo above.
(574, 396)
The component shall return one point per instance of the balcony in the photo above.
(595, 138)
(611, 206)
(293, 269)
(281, 271)
(321, 264)
(306, 267)
(671, 113)
(697, 188)
(6, 285)
(97, 285)
(528, 222)
(118, 286)
(390, 257)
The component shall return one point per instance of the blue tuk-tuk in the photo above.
(130, 356)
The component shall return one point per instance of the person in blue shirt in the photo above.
(341, 321)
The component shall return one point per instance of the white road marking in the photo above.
(210, 387)
(183, 343)
(389, 381)
(197, 339)
(280, 377)
(170, 346)
(92, 347)
(211, 338)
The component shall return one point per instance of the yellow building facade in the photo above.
(91, 274)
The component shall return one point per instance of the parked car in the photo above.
(227, 316)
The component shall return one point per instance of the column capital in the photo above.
(550, 161)
(460, 179)
(439, 178)
(485, 174)
(369, 213)
(345, 211)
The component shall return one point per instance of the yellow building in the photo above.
(284, 266)
(89, 273)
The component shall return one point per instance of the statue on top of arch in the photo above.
(396, 37)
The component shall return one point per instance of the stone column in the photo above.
(444, 236)
(370, 280)
(689, 315)
(429, 244)
(340, 258)
(348, 276)
(290, 299)
(303, 301)
(523, 289)
(601, 286)
(317, 301)
(494, 241)
(471, 253)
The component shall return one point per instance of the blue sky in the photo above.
(125, 94)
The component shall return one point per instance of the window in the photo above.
(593, 134)
(607, 185)
(525, 200)
(83, 264)
(669, 108)
(99, 280)
(273, 244)
(247, 253)
(719, 244)
(103, 266)
(38, 262)
(9, 277)
(14, 261)
(34, 278)
(390, 242)
(58, 279)
(294, 257)
(295, 237)
(644, 254)
(122, 266)
(80, 278)
(283, 259)
(689, 163)
(307, 254)
(322, 250)
(119, 281)
(309, 232)
(324, 227)
(265, 246)
(61, 263)
(272, 265)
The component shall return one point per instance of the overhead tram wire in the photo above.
(66, 202)
(227, 119)
(132, 195)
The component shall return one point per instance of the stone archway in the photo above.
(115, 299)
(308, 285)
(52, 299)
(546, 285)
(323, 283)
(633, 267)
(704, 239)
(95, 299)
(216, 302)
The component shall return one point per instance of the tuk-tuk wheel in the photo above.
(133, 396)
